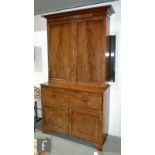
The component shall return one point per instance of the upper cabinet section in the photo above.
(77, 45)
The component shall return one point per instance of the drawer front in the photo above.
(65, 97)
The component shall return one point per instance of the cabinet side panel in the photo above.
(107, 48)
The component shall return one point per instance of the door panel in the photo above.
(86, 125)
(62, 51)
(56, 118)
(90, 56)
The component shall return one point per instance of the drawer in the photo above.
(66, 97)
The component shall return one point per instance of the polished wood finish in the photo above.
(56, 118)
(61, 57)
(72, 100)
(86, 124)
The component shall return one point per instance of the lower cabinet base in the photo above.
(75, 113)
(97, 145)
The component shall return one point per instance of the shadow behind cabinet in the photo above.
(72, 100)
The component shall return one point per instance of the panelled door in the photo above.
(62, 44)
(56, 118)
(85, 124)
(90, 58)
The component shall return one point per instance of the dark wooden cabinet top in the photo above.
(102, 10)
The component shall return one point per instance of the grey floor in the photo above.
(65, 145)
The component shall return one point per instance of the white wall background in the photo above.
(115, 92)
(40, 40)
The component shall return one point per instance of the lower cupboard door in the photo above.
(86, 125)
(56, 119)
